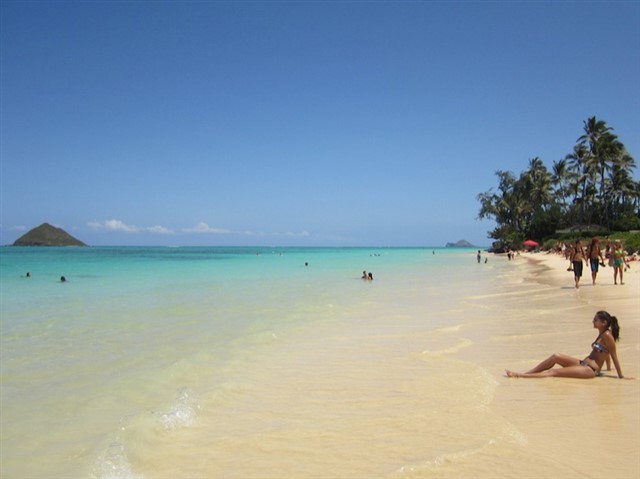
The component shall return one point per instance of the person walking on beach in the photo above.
(577, 257)
(603, 347)
(568, 254)
(595, 258)
(619, 261)
(608, 252)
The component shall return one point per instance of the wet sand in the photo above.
(369, 397)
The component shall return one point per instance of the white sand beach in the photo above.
(363, 398)
(573, 428)
(328, 377)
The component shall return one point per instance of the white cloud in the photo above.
(160, 230)
(113, 225)
(117, 225)
(18, 228)
(203, 227)
(252, 233)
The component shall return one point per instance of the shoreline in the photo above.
(605, 293)
(414, 400)
(400, 377)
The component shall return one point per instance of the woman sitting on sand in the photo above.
(589, 367)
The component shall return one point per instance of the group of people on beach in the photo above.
(367, 276)
(594, 257)
(603, 349)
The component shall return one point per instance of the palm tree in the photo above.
(636, 198)
(627, 164)
(580, 173)
(592, 184)
(604, 150)
(598, 140)
(561, 179)
(539, 180)
(510, 207)
(621, 188)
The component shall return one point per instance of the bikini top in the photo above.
(596, 346)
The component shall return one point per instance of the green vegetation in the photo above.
(590, 191)
(47, 235)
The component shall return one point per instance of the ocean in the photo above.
(210, 362)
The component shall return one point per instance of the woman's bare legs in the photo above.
(556, 358)
(569, 368)
(617, 269)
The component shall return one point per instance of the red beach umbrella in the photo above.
(530, 243)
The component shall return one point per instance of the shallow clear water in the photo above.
(186, 362)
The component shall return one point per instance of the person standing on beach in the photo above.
(577, 257)
(595, 258)
(608, 252)
(603, 347)
(568, 254)
(619, 262)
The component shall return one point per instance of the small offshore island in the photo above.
(459, 244)
(47, 235)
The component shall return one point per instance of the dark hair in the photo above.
(612, 323)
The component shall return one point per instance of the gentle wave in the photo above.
(462, 344)
(114, 464)
(183, 413)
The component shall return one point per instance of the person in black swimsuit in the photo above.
(601, 349)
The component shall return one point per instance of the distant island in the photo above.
(459, 244)
(47, 235)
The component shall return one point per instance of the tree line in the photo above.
(592, 189)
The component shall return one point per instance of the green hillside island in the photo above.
(47, 235)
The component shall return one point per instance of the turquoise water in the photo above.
(141, 341)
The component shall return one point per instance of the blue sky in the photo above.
(296, 123)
